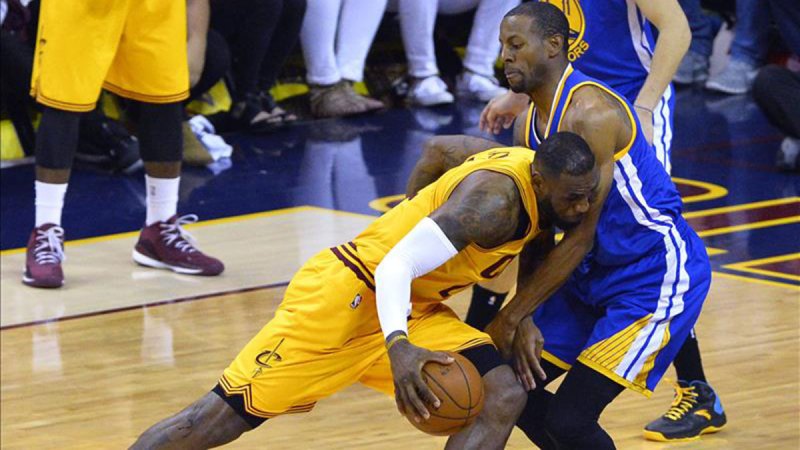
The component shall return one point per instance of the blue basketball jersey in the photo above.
(609, 40)
(643, 209)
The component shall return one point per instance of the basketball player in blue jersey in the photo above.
(612, 40)
(632, 277)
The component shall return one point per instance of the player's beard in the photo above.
(546, 207)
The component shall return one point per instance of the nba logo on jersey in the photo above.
(356, 301)
(577, 26)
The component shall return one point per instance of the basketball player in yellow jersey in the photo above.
(137, 49)
(371, 310)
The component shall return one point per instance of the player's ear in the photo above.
(539, 185)
(555, 45)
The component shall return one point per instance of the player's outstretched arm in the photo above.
(604, 124)
(442, 153)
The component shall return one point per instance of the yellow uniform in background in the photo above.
(134, 48)
(326, 335)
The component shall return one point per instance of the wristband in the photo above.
(644, 108)
(395, 340)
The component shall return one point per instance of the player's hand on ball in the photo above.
(502, 332)
(411, 392)
(501, 111)
(528, 344)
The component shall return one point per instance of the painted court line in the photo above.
(148, 305)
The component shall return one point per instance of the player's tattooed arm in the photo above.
(442, 153)
(484, 209)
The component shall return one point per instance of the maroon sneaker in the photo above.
(44, 256)
(166, 245)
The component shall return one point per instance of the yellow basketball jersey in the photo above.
(473, 263)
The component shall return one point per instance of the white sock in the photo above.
(49, 202)
(162, 198)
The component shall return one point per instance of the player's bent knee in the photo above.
(505, 396)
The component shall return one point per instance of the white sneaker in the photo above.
(736, 78)
(429, 92)
(478, 87)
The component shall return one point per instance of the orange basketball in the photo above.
(459, 388)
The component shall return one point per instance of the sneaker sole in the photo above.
(659, 437)
(714, 86)
(27, 281)
(147, 261)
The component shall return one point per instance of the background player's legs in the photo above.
(208, 422)
(162, 243)
(532, 419)
(56, 143)
(688, 364)
(573, 412)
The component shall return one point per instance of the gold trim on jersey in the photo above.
(530, 123)
(634, 129)
(532, 108)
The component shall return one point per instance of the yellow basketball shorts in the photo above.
(324, 337)
(134, 48)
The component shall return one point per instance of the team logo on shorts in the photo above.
(269, 357)
(577, 26)
(356, 301)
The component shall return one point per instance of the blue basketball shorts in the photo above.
(628, 322)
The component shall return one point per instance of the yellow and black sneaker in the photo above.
(696, 410)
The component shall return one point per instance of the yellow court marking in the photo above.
(740, 207)
(382, 204)
(204, 223)
(714, 190)
(712, 251)
(757, 280)
(749, 266)
(749, 226)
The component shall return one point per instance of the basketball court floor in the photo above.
(91, 365)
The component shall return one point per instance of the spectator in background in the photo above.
(260, 34)
(336, 37)
(417, 21)
(777, 91)
(694, 65)
(751, 41)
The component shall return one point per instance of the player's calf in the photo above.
(206, 423)
(505, 399)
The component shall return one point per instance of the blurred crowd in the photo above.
(251, 47)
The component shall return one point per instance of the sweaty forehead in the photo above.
(580, 184)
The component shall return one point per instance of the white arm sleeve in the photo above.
(422, 250)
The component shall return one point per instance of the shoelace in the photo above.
(48, 248)
(685, 399)
(174, 234)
